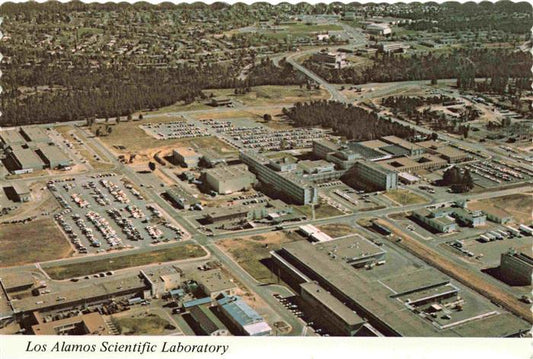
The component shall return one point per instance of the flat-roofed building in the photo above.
(214, 283)
(186, 157)
(23, 160)
(161, 280)
(205, 323)
(283, 177)
(334, 60)
(229, 179)
(372, 174)
(86, 324)
(21, 192)
(397, 300)
(410, 164)
(243, 317)
(355, 250)
(413, 148)
(53, 157)
(329, 312)
(378, 29)
(497, 215)
(10, 138)
(470, 218)
(17, 281)
(440, 222)
(34, 134)
(516, 267)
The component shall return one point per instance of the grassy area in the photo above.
(149, 325)
(182, 251)
(405, 197)
(337, 229)
(300, 30)
(268, 95)
(322, 210)
(249, 251)
(43, 236)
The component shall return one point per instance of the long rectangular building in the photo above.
(282, 177)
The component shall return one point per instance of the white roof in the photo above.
(408, 176)
(257, 328)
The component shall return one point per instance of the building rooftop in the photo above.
(16, 279)
(373, 144)
(228, 172)
(349, 249)
(213, 280)
(26, 157)
(12, 137)
(53, 154)
(186, 152)
(241, 312)
(332, 303)
(401, 142)
(92, 323)
(35, 134)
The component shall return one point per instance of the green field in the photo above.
(36, 241)
(149, 325)
(182, 251)
(322, 210)
(301, 30)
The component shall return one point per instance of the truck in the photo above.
(513, 231)
(484, 238)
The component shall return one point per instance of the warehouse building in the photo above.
(414, 164)
(186, 157)
(23, 160)
(9, 138)
(469, 218)
(516, 268)
(282, 176)
(229, 179)
(413, 148)
(21, 192)
(245, 319)
(355, 250)
(206, 324)
(53, 157)
(35, 135)
(329, 312)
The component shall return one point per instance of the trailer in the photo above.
(496, 234)
(526, 230)
(484, 238)
(513, 231)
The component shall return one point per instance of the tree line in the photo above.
(355, 123)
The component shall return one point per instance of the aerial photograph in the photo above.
(301, 170)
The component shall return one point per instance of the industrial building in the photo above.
(21, 192)
(160, 280)
(52, 156)
(9, 138)
(86, 324)
(402, 300)
(34, 134)
(516, 268)
(206, 324)
(469, 218)
(344, 155)
(414, 164)
(22, 160)
(246, 320)
(229, 179)
(334, 60)
(329, 312)
(282, 176)
(214, 283)
(378, 29)
(186, 157)
(437, 220)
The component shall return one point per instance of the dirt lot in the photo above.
(519, 205)
(249, 251)
(36, 241)
(405, 197)
(148, 325)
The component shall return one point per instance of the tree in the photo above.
(267, 117)
(151, 166)
(141, 116)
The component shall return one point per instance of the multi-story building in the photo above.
(439, 221)
(334, 60)
(282, 176)
(516, 268)
(229, 179)
(374, 175)
(245, 319)
(378, 29)
(186, 157)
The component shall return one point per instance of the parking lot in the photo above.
(174, 130)
(251, 135)
(102, 212)
(495, 173)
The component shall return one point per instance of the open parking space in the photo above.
(347, 197)
(101, 212)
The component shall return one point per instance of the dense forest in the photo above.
(354, 123)
(461, 63)
(267, 73)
